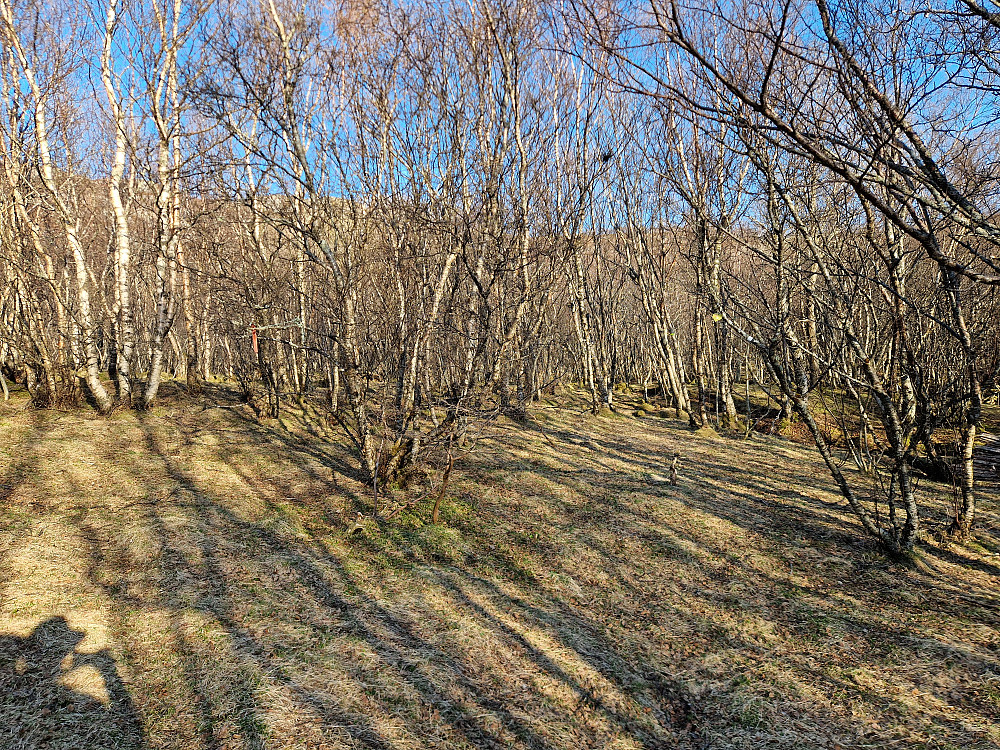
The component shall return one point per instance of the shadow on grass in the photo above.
(449, 695)
(497, 645)
(38, 710)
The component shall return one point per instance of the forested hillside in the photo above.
(735, 266)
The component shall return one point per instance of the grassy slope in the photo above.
(213, 599)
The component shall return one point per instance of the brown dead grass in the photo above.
(184, 579)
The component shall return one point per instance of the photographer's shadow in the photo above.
(53, 697)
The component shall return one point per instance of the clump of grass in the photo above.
(439, 543)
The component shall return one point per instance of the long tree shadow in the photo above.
(336, 604)
(779, 523)
(400, 649)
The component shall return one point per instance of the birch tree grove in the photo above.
(423, 216)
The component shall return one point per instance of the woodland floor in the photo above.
(185, 579)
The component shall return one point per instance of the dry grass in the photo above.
(184, 579)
